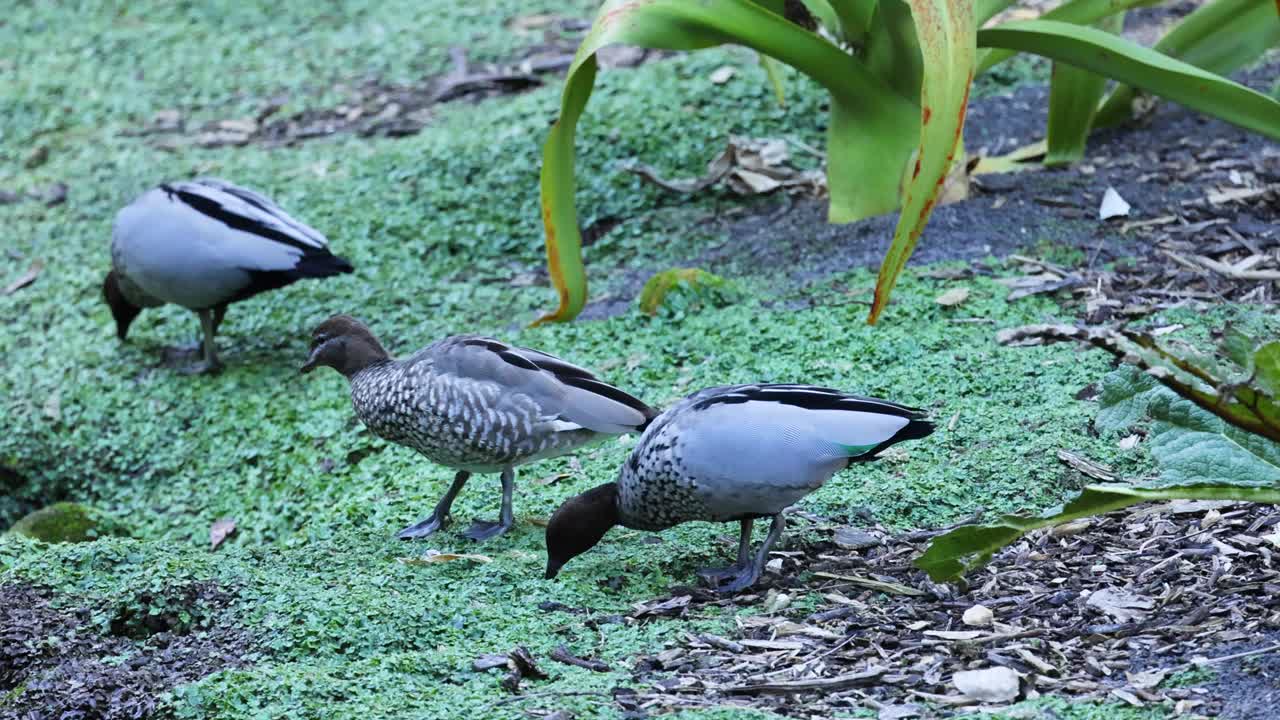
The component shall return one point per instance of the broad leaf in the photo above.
(1100, 52)
(1123, 399)
(1266, 364)
(865, 112)
(1193, 446)
(952, 554)
(1221, 36)
(1078, 12)
(1074, 95)
(945, 32)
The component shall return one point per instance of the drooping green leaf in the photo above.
(1074, 95)
(945, 33)
(700, 287)
(855, 19)
(1266, 363)
(892, 49)
(965, 548)
(1078, 12)
(1123, 397)
(1100, 52)
(1237, 346)
(871, 133)
(984, 10)
(773, 72)
(1221, 36)
(1194, 446)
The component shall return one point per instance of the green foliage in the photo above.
(907, 91)
(1202, 438)
(677, 292)
(1105, 54)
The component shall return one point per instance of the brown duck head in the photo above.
(344, 344)
(121, 309)
(579, 524)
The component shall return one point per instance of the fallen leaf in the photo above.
(995, 684)
(36, 157)
(1075, 527)
(552, 479)
(435, 556)
(27, 278)
(53, 406)
(888, 587)
(955, 634)
(1120, 605)
(219, 531)
(656, 608)
(953, 297)
(898, 712)
(723, 74)
(1148, 679)
(848, 538)
(1112, 205)
(485, 663)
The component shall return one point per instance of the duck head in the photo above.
(579, 524)
(344, 344)
(121, 309)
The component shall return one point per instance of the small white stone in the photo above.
(978, 616)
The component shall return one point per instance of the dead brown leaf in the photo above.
(220, 530)
(26, 279)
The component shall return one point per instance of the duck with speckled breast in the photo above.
(733, 453)
(473, 404)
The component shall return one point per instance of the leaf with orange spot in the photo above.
(945, 31)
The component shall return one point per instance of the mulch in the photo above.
(59, 659)
(1121, 607)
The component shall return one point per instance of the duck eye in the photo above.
(319, 339)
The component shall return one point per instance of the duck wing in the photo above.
(561, 390)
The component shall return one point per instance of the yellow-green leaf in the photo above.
(945, 30)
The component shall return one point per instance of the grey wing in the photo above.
(563, 392)
(758, 457)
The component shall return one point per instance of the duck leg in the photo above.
(208, 325)
(483, 529)
(439, 517)
(751, 573)
(715, 575)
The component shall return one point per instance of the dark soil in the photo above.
(59, 660)
(1190, 583)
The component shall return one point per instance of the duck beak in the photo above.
(553, 569)
(312, 360)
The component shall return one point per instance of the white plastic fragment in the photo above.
(1112, 205)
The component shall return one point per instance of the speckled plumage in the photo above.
(462, 422)
(734, 453)
(473, 404)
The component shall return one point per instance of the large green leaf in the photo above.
(1221, 36)
(1108, 55)
(1192, 445)
(868, 118)
(1078, 12)
(1074, 95)
(968, 547)
(945, 32)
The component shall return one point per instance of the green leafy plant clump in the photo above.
(1214, 435)
(899, 75)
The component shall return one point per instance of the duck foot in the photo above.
(734, 579)
(422, 529)
(715, 575)
(203, 368)
(484, 530)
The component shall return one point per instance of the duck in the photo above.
(733, 453)
(475, 405)
(204, 244)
